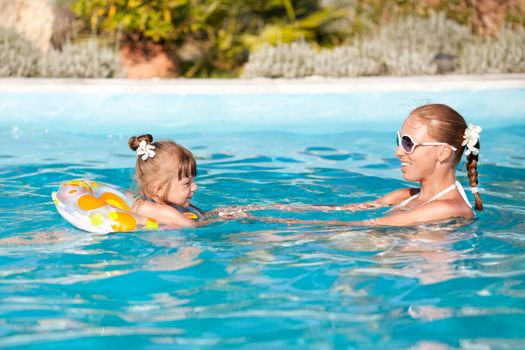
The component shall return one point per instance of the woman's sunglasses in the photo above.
(408, 145)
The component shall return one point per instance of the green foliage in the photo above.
(212, 38)
(152, 18)
(18, 56)
(219, 33)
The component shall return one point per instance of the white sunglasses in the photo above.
(408, 145)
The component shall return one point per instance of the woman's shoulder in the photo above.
(397, 196)
(434, 211)
(456, 206)
(445, 208)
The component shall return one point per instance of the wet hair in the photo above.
(444, 124)
(156, 173)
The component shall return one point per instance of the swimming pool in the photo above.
(251, 284)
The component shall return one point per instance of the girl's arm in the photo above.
(162, 213)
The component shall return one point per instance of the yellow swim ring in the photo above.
(98, 207)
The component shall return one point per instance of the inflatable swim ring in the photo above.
(98, 207)
(104, 208)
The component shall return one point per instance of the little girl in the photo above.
(165, 173)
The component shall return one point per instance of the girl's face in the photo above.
(181, 191)
(421, 163)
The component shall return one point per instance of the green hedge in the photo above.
(503, 54)
(409, 46)
(86, 59)
(18, 56)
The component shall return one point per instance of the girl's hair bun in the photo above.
(134, 141)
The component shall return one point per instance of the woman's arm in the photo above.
(389, 199)
(428, 213)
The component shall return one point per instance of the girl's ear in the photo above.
(156, 192)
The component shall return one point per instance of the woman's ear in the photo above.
(445, 153)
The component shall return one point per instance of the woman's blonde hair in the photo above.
(444, 124)
(156, 173)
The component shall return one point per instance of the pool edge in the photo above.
(261, 85)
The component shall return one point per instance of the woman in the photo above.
(430, 144)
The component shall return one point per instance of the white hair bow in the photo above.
(145, 150)
(471, 138)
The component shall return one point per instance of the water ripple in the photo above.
(459, 284)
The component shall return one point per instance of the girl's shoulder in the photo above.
(191, 212)
(140, 197)
(164, 213)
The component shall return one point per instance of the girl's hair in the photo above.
(156, 173)
(445, 124)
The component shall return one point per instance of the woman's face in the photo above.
(422, 162)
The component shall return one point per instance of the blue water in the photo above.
(249, 284)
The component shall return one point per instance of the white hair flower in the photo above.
(145, 150)
(471, 138)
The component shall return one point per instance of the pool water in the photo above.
(252, 284)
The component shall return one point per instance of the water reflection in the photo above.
(45, 257)
(159, 307)
(425, 253)
(52, 241)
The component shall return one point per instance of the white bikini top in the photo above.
(439, 195)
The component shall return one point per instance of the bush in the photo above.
(18, 56)
(502, 54)
(412, 46)
(284, 60)
(83, 60)
(409, 46)
(212, 38)
(208, 38)
(405, 47)
(298, 60)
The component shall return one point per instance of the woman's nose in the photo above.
(399, 152)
